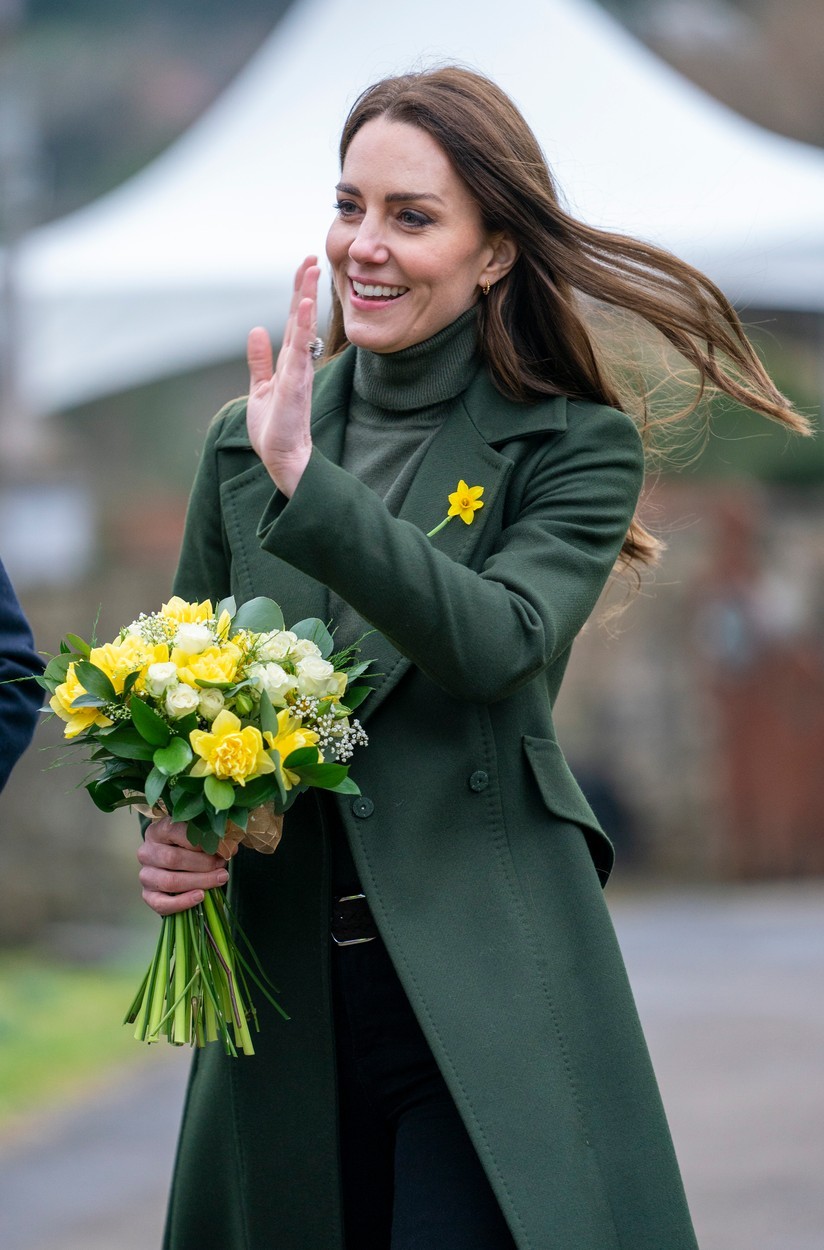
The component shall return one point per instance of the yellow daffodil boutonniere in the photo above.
(464, 502)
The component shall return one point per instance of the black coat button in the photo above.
(479, 780)
(362, 806)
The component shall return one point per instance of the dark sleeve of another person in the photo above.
(20, 700)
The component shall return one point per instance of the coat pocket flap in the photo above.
(564, 797)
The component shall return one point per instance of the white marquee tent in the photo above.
(170, 269)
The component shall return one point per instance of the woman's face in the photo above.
(407, 248)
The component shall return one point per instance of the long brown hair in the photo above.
(537, 331)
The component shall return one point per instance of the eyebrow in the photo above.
(394, 197)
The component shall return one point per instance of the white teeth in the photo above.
(382, 292)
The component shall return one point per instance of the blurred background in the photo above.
(150, 212)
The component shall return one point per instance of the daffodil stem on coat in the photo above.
(438, 528)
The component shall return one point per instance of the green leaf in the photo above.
(268, 715)
(88, 700)
(127, 744)
(326, 776)
(78, 645)
(217, 821)
(221, 794)
(173, 758)
(130, 681)
(355, 695)
(95, 680)
(260, 615)
(200, 833)
(155, 783)
(239, 816)
(257, 792)
(104, 794)
(347, 786)
(57, 668)
(188, 806)
(148, 724)
(303, 755)
(315, 630)
(226, 605)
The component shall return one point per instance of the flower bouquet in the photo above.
(219, 718)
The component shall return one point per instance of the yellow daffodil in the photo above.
(187, 613)
(229, 752)
(118, 659)
(213, 664)
(464, 502)
(290, 737)
(78, 719)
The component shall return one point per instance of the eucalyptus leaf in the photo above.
(268, 715)
(58, 667)
(155, 783)
(148, 724)
(226, 605)
(173, 758)
(260, 615)
(95, 680)
(221, 794)
(315, 630)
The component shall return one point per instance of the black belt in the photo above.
(352, 921)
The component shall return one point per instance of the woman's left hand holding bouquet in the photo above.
(280, 398)
(173, 873)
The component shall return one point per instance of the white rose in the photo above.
(274, 680)
(276, 646)
(210, 703)
(192, 638)
(159, 677)
(181, 700)
(305, 647)
(316, 676)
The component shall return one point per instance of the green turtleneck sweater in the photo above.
(399, 401)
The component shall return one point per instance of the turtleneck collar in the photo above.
(423, 375)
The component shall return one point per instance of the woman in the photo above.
(474, 1076)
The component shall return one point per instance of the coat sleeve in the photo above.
(19, 700)
(479, 634)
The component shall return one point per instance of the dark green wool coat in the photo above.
(481, 860)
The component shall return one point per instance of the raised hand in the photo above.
(280, 398)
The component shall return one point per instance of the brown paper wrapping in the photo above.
(264, 829)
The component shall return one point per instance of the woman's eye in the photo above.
(411, 217)
(345, 208)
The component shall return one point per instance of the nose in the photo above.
(369, 246)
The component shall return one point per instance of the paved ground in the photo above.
(730, 985)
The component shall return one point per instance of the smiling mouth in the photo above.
(366, 290)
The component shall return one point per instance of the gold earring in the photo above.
(486, 287)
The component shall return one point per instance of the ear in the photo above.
(504, 255)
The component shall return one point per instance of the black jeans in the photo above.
(411, 1177)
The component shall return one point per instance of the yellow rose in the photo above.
(290, 737)
(213, 664)
(77, 719)
(187, 613)
(229, 752)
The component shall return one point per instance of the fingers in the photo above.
(259, 358)
(306, 287)
(174, 873)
